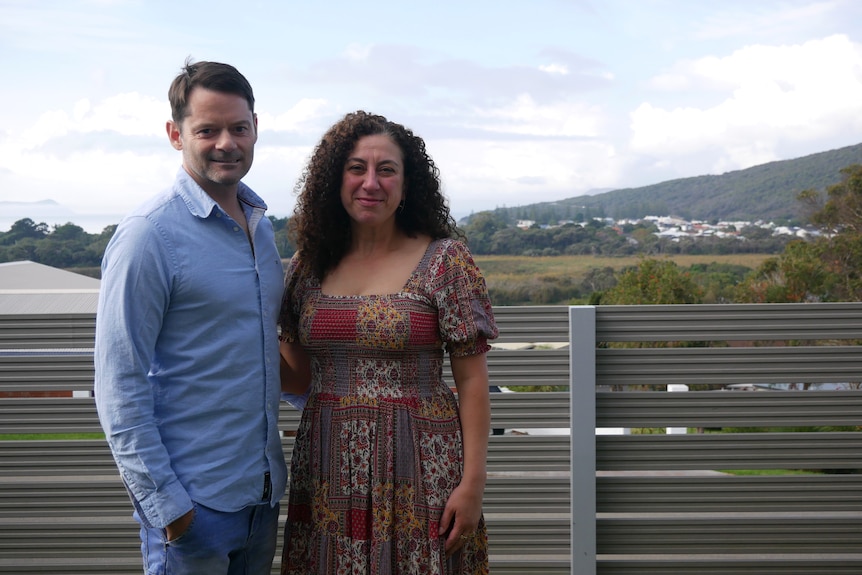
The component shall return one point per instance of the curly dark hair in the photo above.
(321, 227)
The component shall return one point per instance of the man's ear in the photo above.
(174, 135)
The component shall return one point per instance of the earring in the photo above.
(401, 205)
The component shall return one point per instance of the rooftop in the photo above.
(28, 288)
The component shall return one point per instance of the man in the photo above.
(187, 360)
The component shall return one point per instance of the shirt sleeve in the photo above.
(465, 317)
(134, 294)
(296, 401)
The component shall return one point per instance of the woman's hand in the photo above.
(461, 515)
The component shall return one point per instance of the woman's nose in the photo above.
(370, 182)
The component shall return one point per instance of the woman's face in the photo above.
(372, 184)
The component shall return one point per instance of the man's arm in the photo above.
(134, 295)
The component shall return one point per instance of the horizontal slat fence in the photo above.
(63, 508)
(711, 409)
(664, 503)
(40, 331)
(625, 503)
(38, 370)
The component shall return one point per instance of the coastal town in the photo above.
(677, 228)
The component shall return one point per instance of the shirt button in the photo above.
(218, 214)
(235, 228)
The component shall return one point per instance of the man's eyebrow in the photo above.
(216, 123)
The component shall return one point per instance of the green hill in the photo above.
(765, 192)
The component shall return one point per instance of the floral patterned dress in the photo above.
(378, 449)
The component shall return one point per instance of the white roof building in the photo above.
(28, 288)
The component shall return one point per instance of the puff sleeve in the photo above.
(288, 318)
(465, 318)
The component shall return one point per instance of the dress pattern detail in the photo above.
(379, 450)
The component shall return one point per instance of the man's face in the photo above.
(217, 139)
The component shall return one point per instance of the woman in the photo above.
(388, 469)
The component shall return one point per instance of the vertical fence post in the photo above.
(582, 392)
(672, 387)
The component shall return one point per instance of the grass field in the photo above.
(525, 280)
(578, 266)
(572, 266)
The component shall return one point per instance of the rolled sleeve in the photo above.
(134, 294)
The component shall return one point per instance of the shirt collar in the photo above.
(201, 204)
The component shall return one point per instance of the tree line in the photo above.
(825, 268)
(488, 233)
(69, 246)
(492, 233)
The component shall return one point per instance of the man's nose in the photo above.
(226, 141)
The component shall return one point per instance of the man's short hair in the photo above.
(211, 76)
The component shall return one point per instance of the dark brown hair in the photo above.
(210, 75)
(321, 227)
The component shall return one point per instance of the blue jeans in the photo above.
(216, 543)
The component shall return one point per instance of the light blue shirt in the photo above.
(187, 359)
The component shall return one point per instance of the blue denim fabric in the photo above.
(187, 359)
(216, 543)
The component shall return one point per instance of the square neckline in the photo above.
(420, 265)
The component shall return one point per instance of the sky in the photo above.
(518, 102)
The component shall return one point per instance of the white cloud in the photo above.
(524, 116)
(482, 174)
(274, 174)
(93, 181)
(535, 104)
(560, 69)
(760, 18)
(127, 114)
(301, 117)
(49, 125)
(771, 95)
(67, 155)
(358, 52)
